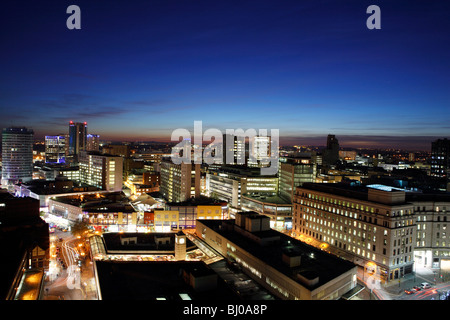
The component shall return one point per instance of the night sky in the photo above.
(137, 70)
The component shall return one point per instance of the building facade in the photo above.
(440, 158)
(294, 171)
(179, 182)
(100, 170)
(77, 137)
(55, 149)
(287, 268)
(92, 142)
(17, 155)
(230, 183)
(372, 226)
(432, 247)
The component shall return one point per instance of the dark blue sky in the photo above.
(140, 69)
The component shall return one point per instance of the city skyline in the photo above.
(308, 68)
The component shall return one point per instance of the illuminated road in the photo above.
(67, 280)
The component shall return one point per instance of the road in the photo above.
(67, 279)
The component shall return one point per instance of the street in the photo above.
(69, 279)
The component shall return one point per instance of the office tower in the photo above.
(55, 149)
(331, 153)
(294, 171)
(179, 182)
(77, 137)
(440, 158)
(102, 171)
(92, 142)
(17, 155)
(260, 152)
(234, 146)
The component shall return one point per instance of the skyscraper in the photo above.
(77, 137)
(235, 147)
(440, 158)
(331, 153)
(17, 155)
(260, 152)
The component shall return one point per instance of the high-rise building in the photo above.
(101, 170)
(77, 137)
(234, 146)
(92, 142)
(55, 149)
(331, 153)
(440, 158)
(179, 182)
(260, 152)
(17, 155)
(294, 171)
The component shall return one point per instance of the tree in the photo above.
(79, 228)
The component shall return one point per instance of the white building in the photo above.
(101, 170)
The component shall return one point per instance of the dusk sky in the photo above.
(137, 70)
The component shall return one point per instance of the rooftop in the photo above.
(268, 199)
(157, 280)
(198, 201)
(153, 241)
(313, 261)
(99, 201)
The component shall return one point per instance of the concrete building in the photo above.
(294, 171)
(197, 208)
(101, 170)
(109, 211)
(17, 155)
(373, 226)
(92, 142)
(179, 182)
(276, 208)
(286, 267)
(432, 246)
(230, 183)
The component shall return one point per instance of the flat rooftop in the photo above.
(269, 199)
(198, 201)
(156, 280)
(99, 202)
(361, 191)
(313, 260)
(152, 241)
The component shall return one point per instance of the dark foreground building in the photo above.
(24, 244)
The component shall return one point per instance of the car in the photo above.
(425, 285)
(409, 291)
(417, 288)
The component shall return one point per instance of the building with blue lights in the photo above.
(55, 149)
